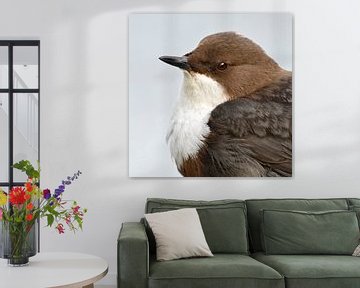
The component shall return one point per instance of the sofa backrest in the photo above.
(256, 205)
(353, 202)
(354, 205)
(223, 221)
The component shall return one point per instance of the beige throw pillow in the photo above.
(357, 251)
(178, 234)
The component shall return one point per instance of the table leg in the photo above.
(89, 286)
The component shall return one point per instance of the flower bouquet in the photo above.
(21, 208)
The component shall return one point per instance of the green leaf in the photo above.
(50, 219)
(22, 164)
(79, 221)
(52, 211)
(28, 168)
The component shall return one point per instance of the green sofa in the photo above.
(234, 230)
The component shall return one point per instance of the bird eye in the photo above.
(222, 66)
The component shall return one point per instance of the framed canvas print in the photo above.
(210, 95)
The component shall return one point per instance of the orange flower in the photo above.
(27, 196)
(29, 217)
(29, 206)
(29, 187)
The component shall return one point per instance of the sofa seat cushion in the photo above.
(313, 271)
(222, 270)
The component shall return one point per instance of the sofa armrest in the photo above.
(133, 256)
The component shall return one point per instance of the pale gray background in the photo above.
(154, 86)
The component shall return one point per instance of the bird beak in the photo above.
(181, 62)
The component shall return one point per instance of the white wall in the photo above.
(84, 108)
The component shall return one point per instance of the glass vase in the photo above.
(18, 242)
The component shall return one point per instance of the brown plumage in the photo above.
(250, 132)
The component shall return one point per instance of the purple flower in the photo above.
(58, 192)
(64, 183)
(46, 194)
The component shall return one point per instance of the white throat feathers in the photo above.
(188, 129)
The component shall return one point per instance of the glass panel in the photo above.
(4, 137)
(26, 67)
(5, 189)
(4, 67)
(26, 130)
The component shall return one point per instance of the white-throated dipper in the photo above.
(234, 114)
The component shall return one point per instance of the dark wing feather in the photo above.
(252, 136)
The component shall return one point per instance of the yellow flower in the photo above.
(3, 198)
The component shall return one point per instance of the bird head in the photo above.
(235, 62)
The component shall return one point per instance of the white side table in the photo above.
(50, 270)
